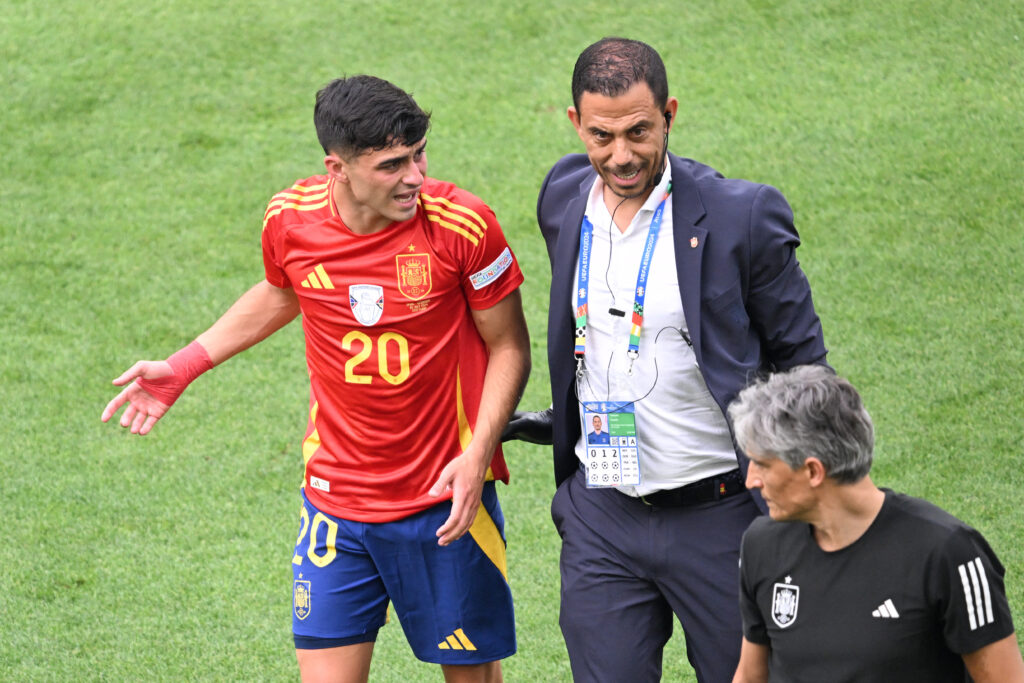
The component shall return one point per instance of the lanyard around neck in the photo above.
(583, 289)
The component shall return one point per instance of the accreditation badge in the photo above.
(613, 453)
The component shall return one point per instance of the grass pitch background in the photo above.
(139, 144)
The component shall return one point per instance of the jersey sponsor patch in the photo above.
(413, 275)
(367, 303)
(321, 484)
(785, 601)
(492, 272)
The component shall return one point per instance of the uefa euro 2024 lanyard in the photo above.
(613, 456)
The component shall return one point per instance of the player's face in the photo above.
(383, 186)
(785, 490)
(597, 423)
(624, 137)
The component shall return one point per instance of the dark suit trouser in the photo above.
(627, 567)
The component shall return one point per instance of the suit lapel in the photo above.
(566, 251)
(561, 330)
(688, 239)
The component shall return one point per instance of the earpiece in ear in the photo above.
(656, 178)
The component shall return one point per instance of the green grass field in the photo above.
(140, 142)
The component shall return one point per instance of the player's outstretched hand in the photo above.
(143, 409)
(464, 477)
(529, 427)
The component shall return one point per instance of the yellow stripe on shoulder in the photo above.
(273, 211)
(470, 218)
(308, 189)
(299, 197)
(434, 218)
(285, 196)
(436, 210)
(299, 193)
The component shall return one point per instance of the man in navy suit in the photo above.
(672, 289)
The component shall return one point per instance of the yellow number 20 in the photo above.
(319, 519)
(386, 343)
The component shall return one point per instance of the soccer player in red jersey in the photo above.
(417, 352)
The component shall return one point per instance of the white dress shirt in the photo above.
(683, 435)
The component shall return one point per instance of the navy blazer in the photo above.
(746, 301)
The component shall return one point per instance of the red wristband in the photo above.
(187, 364)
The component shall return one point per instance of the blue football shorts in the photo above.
(453, 602)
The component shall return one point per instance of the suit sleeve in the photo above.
(779, 301)
(546, 218)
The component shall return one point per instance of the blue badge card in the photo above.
(613, 456)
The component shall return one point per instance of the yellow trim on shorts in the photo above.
(486, 535)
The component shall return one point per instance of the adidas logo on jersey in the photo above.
(318, 279)
(456, 641)
(886, 610)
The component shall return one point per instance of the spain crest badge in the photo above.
(301, 599)
(413, 275)
(785, 601)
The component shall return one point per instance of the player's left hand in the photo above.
(464, 477)
(144, 408)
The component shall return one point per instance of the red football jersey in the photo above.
(396, 365)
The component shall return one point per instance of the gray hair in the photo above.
(805, 412)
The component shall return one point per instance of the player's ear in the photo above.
(671, 108)
(574, 118)
(336, 167)
(816, 473)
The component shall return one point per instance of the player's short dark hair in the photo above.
(806, 412)
(365, 113)
(611, 66)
